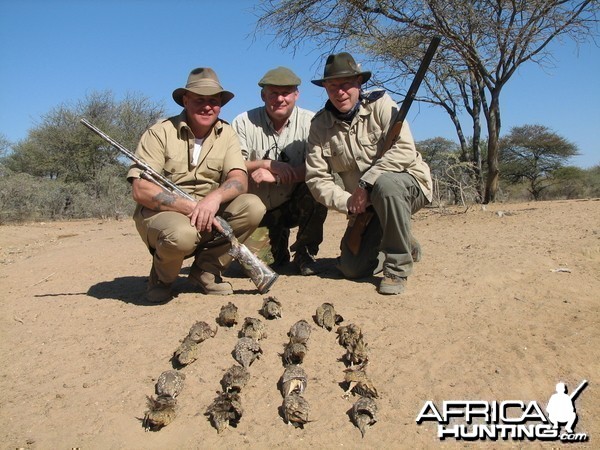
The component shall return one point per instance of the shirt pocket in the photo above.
(370, 138)
(175, 166)
(214, 169)
(215, 164)
(336, 155)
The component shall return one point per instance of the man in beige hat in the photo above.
(201, 154)
(345, 138)
(273, 138)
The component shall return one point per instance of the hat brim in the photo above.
(365, 77)
(226, 96)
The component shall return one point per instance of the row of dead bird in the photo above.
(162, 408)
(226, 409)
(364, 411)
(295, 408)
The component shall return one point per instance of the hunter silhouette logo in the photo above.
(472, 420)
(561, 407)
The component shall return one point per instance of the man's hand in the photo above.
(268, 171)
(263, 176)
(358, 201)
(284, 170)
(204, 212)
(203, 215)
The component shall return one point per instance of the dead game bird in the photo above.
(161, 412)
(293, 380)
(293, 353)
(235, 379)
(271, 308)
(300, 332)
(200, 332)
(228, 316)
(246, 351)
(295, 410)
(169, 383)
(359, 382)
(225, 410)
(187, 352)
(348, 335)
(326, 316)
(357, 353)
(364, 414)
(253, 328)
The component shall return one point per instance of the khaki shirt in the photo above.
(168, 148)
(349, 149)
(259, 140)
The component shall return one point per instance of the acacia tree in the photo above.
(63, 170)
(534, 153)
(483, 43)
(59, 147)
(4, 145)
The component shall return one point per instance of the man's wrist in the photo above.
(364, 185)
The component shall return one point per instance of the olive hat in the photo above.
(341, 65)
(202, 81)
(280, 76)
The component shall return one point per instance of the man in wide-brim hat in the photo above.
(274, 142)
(200, 153)
(347, 137)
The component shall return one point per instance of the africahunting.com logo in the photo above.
(472, 420)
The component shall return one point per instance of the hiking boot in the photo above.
(416, 252)
(391, 285)
(210, 284)
(307, 264)
(157, 292)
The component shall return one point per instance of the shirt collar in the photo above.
(181, 124)
(290, 119)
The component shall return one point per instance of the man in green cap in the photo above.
(273, 138)
(346, 137)
(201, 154)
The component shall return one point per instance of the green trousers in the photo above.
(386, 242)
(271, 240)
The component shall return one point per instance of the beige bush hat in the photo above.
(202, 81)
(341, 65)
(280, 76)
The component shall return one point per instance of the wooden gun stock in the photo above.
(360, 222)
(357, 229)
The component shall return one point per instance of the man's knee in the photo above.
(393, 184)
(182, 239)
(256, 212)
(248, 207)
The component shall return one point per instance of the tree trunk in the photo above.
(493, 125)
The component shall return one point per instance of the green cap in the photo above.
(280, 76)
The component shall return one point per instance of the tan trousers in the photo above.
(171, 238)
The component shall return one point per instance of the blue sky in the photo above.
(55, 52)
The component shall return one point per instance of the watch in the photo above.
(364, 185)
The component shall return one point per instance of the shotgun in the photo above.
(260, 274)
(359, 222)
(578, 390)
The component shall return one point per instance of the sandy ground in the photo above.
(504, 305)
